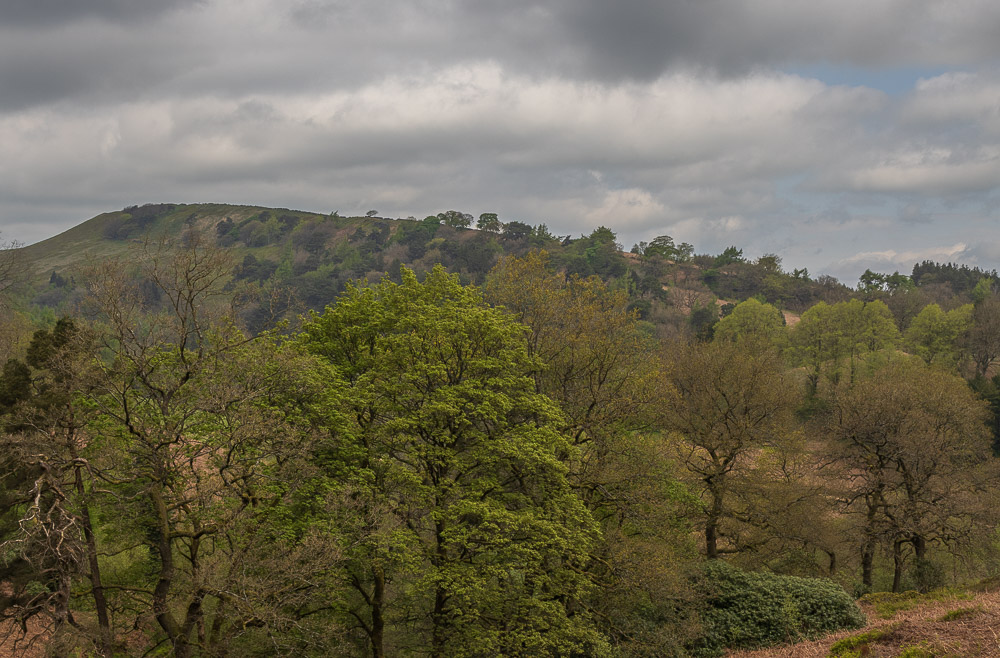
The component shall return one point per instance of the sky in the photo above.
(839, 135)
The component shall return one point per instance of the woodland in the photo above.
(258, 432)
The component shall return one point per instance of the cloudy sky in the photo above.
(839, 134)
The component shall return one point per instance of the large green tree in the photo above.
(468, 539)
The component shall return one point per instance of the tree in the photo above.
(515, 230)
(663, 246)
(44, 418)
(829, 334)
(731, 413)
(596, 365)
(934, 335)
(489, 222)
(195, 446)
(983, 338)
(474, 540)
(752, 320)
(728, 256)
(914, 450)
(455, 219)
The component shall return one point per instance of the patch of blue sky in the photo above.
(892, 81)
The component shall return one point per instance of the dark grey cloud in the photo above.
(48, 13)
(107, 50)
(641, 39)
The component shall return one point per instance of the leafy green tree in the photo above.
(476, 542)
(515, 230)
(752, 320)
(828, 335)
(489, 222)
(728, 256)
(455, 219)
(983, 289)
(596, 365)
(934, 335)
(871, 282)
(663, 246)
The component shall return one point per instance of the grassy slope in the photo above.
(86, 241)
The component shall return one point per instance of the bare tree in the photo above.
(11, 269)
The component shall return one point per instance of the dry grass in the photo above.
(15, 644)
(976, 633)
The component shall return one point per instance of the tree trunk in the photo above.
(438, 639)
(919, 547)
(164, 549)
(378, 622)
(897, 565)
(867, 558)
(106, 644)
(711, 540)
(712, 526)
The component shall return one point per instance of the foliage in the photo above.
(915, 442)
(730, 415)
(828, 335)
(961, 278)
(933, 335)
(753, 321)
(748, 610)
(470, 537)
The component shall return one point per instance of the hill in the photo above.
(314, 255)
(309, 257)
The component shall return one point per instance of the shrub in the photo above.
(751, 610)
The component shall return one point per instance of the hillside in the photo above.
(308, 258)
(313, 256)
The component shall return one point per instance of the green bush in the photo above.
(751, 610)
